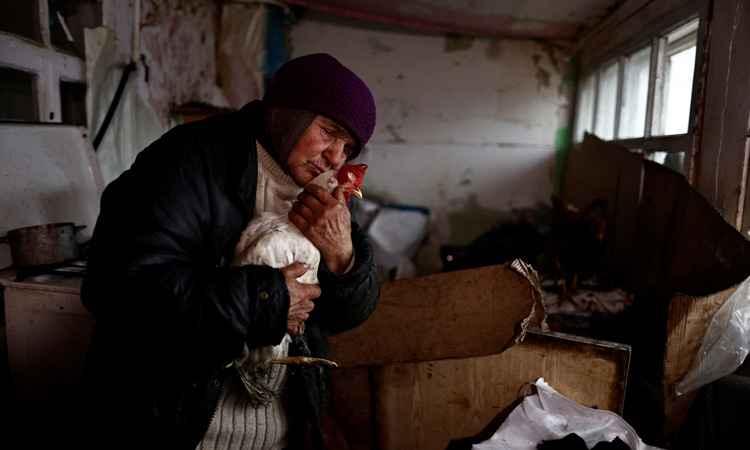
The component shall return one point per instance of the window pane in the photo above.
(68, 18)
(680, 83)
(672, 106)
(73, 100)
(17, 99)
(606, 102)
(671, 160)
(20, 17)
(585, 107)
(635, 95)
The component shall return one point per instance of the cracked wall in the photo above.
(466, 126)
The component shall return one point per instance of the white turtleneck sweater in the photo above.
(237, 424)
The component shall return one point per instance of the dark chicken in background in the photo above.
(517, 239)
(577, 242)
(561, 241)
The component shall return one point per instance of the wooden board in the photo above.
(351, 407)
(688, 322)
(606, 171)
(466, 313)
(631, 24)
(722, 162)
(703, 253)
(456, 402)
(682, 242)
(47, 336)
(654, 226)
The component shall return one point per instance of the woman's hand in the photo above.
(300, 296)
(324, 219)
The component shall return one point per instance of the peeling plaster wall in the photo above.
(466, 126)
(178, 39)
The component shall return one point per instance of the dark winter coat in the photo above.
(170, 315)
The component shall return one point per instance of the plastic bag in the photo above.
(726, 344)
(548, 416)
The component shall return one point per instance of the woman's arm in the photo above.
(154, 265)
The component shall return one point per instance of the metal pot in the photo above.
(43, 245)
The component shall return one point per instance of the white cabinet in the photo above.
(48, 332)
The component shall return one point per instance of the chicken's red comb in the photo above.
(353, 173)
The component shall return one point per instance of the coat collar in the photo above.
(252, 114)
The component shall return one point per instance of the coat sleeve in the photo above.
(154, 265)
(348, 300)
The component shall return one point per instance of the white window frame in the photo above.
(654, 36)
(49, 65)
(46, 64)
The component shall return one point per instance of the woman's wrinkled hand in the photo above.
(325, 220)
(301, 296)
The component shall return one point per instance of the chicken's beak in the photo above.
(356, 192)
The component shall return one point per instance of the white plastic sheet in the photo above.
(134, 124)
(242, 44)
(547, 415)
(726, 344)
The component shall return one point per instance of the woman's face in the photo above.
(324, 146)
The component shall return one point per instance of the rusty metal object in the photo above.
(43, 245)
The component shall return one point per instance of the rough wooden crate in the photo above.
(460, 314)
(688, 322)
(451, 379)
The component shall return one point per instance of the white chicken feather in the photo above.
(272, 239)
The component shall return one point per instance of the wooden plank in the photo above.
(723, 158)
(683, 245)
(350, 406)
(745, 226)
(653, 229)
(466, 313)
(632, 24)
(434, 404)
(705, 254)
(687, 324)
(606, 171)
(43, 372)
(591, 35)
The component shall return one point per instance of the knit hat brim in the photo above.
(320, 83)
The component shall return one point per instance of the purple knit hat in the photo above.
(320, 83)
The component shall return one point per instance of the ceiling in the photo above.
(542, 19)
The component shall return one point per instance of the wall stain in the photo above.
(494, 49)
(155, 12)
(404, 109)
(471, 220)
(390, 128)
(558, 54)
(477, 5)
(542, 76)
(377, 48)
(457, 42)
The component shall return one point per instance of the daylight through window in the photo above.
(642, 94)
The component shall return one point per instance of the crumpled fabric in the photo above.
(547, 415)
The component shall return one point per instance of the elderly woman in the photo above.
(172, 313)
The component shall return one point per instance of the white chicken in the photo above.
(272, 239)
